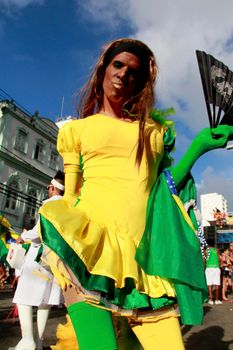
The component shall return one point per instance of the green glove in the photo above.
(205, 141)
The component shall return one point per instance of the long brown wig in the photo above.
(138, 106)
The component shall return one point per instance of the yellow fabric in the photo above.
(66, 338)
(107, 224)
(162, 335)
(71, 181)
(58, 269)
(184, 212)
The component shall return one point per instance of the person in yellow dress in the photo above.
(100, 244)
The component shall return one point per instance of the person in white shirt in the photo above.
(36, 286)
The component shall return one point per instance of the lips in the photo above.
(118, 85)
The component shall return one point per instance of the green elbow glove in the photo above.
(205, 141)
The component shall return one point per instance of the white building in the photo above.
(62, 121)
(28, 161)
(209, 203)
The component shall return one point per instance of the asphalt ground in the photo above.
(215, 334)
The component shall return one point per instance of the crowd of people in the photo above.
(219, 273)
(226, 263)
(7, 275)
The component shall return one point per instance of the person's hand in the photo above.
(207, 140)
(218, 137)
(19, 240)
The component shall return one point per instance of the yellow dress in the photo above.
(102, 231)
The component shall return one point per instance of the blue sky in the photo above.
(48, 48)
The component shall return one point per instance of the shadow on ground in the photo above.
(211, 335)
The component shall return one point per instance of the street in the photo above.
(215, 334)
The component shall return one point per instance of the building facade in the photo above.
(28, 161)
(217, 222)
(210, 203)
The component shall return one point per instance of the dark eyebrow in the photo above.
(132, 70)
(118, 62)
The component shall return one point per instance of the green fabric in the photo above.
(93, 327)
(39, 254)
(3, 251)
(127, 297)
(169, 248)
(212, 260)
(26, 246)
(169, 144)
(3, 248)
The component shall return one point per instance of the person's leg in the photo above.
(26, 324)
(42, 318)
(93, 327)
(209, 280)
(229, 281)
(224, 288)
(217, 288)
(232, 280)
(161, 335)
(217, 299)
(210, 293)
(217, 283)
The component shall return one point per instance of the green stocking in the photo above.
(93, 327)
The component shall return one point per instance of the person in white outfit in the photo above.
(36, 286)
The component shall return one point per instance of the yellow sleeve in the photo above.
(68, 145)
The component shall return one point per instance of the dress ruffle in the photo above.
(102, 260)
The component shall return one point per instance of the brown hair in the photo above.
(139, 105)
(60, 177)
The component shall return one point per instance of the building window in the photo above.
(21, 140)
(39, 153)
(11, 195)
(53, 159)
(32, 205)
(31, 202)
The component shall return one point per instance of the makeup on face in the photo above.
(121, 77)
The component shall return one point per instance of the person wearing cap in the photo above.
(123, 241)
(36, 286)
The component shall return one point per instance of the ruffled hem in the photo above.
(87, 249)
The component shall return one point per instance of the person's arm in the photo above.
(30, 235)
(68, 145)
(223, 261)
(205, 141)
(2, 275)
(73, 183)
(219, 257)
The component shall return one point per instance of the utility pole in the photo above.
(62, 106)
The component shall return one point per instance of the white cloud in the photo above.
(107, 12)
(174, 30)
(19, 3)
(11, 7)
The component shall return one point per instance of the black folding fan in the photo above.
(217, 82)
